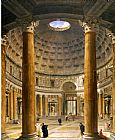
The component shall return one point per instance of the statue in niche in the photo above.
(52, 109)
(81, 81)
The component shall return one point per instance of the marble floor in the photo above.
(69, 130)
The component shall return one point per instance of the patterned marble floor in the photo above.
(69, 130)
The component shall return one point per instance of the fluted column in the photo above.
(28, 84)
(59, 105)
(78, 105)
(4, 44)
(14, 105)
(113, 88)
(46, 105)
(90, 83)
(40, 105)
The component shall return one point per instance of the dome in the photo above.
(59, 53)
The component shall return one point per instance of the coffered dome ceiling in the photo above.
(59, 52)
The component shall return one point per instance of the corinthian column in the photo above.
(90, 83)
(113, 89)
(40, 105)
(14, 105)
(78, 105)
(46, 105)
(100, 105)
(60, 105)
(28, 84)
(3, 88)
(11, 104)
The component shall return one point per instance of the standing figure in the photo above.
(59, 121)
(45, 130)
(82, 128)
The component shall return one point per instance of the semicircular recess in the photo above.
(60, 53)
(69, 86)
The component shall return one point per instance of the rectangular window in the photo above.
(52, 83)
(20, 75)
(10, 69)
(36, 81)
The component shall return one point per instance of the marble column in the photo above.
(103, 103)
(40, 105)
(78, 105)
(28, 84)
(46, 105)
(90, 83)
(113, 90)
(59, 105)
(100, 105)
(37, 105)
(11, 104)
(3, 87)
(14, 105)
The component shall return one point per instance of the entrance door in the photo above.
(71, 107)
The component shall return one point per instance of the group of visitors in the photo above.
(45, 130)
(82, 129)
(42, 128)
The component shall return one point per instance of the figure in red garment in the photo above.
(101, 135)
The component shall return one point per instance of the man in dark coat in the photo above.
(45, 130)
(82, 128)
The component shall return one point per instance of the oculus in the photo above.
(59, 25)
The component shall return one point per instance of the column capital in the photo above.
(60, 96)
(4, 40)
(111, 35)
(28, 24)
(90, 24)
(40, 95)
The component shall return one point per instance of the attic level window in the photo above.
(52, 83)
(59, 25)
(10, 69)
